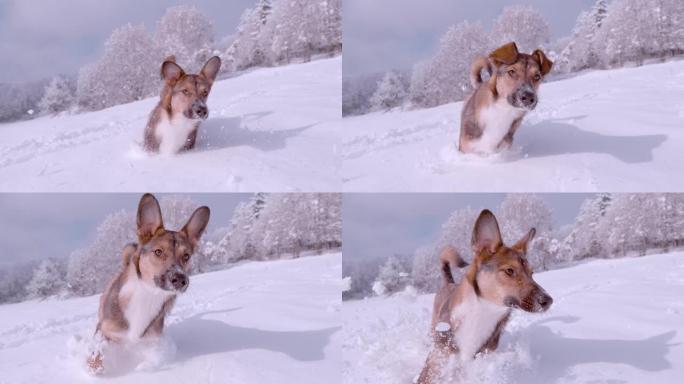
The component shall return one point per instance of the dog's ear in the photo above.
(171, 72)
(149, 218)
(521, 245)
(544, 63)
(196, 225)
(486, 234)
(505, 54)
(211, 68)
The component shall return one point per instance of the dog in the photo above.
(494, 111)
(468, 317)
(154, 272)
(173, 123)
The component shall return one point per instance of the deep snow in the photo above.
(261, 322)
(613, 130)
(265, 132)
(612, 321)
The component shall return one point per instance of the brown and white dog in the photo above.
(154, 271)
(173, 123)
(468, 317)
(494, 111)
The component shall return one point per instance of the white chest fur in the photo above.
(173, 132)
(144, 303)
(496, 121)
(475, 320)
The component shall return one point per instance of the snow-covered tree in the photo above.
(425, 273)
(390, 93)
(393, 275)
(59, 96)
(186, 33)
(445, 77)
(48, 279)
(127, 71)
(522, 24)
(520, 212)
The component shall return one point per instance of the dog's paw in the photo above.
(95, 364)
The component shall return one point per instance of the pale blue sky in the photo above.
(42, 38)
(387, 34)
(380, 225)
(41, 225)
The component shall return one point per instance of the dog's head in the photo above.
(187, 94)
(164, 256)
(501, 274)
(517, 76)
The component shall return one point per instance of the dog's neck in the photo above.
(474, 320)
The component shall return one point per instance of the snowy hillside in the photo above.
(264, 133)
(617, 130)
(612, 321)
(255, 323)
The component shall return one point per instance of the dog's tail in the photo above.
(128, 252)
(476, 70)
(448, 258)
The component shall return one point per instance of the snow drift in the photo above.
(259, 322)
(265, 132)
(614, 130)
(612, 321)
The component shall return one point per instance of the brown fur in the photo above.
(498, 274)
(181, 96)
(156, 260)
(513, 77)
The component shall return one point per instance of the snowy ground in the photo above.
(613, 321)
(264, 133)
(617, 130)
(256, 323)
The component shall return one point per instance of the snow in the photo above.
(612, 321)
(265, 132)
(259, 322)
(613, 130)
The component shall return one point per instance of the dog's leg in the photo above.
(190, 142)
(493, 342)
(438, 357)
(507, 141)
(154, 330)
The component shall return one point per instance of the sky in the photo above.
(380, 225)
(380, 35)
(37, 226)
(43, 38)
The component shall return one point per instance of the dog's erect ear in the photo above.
(544, 63)
(505, 54)
(521, 245)
(171, 72)
(486, 234)
(149, 218)
(211, 68)
(194, 228)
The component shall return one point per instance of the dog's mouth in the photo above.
(539, 302)
(523, 99)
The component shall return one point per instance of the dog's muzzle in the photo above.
(175, 279)
(200, 110)
(524, 97)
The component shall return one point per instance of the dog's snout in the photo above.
(179, 281)
(200, 110)
(528, 98)
(545, 301)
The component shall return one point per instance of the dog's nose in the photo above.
(179, 281)
(201, 111)
(545, 301)
(528, 98)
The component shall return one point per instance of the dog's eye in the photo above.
(537, 77)
(205, 93)
(186, 92)
(158, 252)
(186, 257)
(509, 271)
(511, 72)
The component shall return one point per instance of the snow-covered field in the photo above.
(267, 322)
(614, 130)
(612, 321)
(265, 132)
